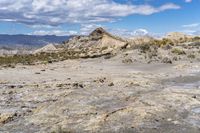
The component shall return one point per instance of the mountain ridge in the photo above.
(21, 40)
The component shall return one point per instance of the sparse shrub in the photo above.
(167, 60)
(127, 61)
(191, 56)
(166, 41)
(178, 51)
(144, 48)
(60, 130)
(197, 38)
(104, 48)
(163, 42)
(175, 58)
(167, 47)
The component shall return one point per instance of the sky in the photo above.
(121, 17)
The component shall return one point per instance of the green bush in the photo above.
(178, 51)
(192, 56)
(144, 48)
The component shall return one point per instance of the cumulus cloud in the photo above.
(192, 32)
(88, 28)
(56, 12)
(188, 1)
(130, 33)
(55, 32)
(140, 32)
(191, 25)
(192, 29)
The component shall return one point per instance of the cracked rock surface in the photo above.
(101, 95)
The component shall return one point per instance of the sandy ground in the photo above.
(101, 95)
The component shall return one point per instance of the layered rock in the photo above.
(178, 36)
(46, 49)
(99, 38)
(138, 40)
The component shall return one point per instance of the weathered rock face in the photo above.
(97, 95)
(98, 33)
(178, 36)
(46, 49)
(99, 38)
(138, 40)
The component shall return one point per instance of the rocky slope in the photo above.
(147, 88)
(50, 48)
(99, 38)
(100, 95)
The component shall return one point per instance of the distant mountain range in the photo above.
(29, 41)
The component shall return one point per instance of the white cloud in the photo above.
(191, 29)
(191, 25)
(88, 28)
(130, 33)
(56, 12)
(140, 32)
(192, 32)
(55, 32)
(188, 1)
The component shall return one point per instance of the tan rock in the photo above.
(50, 48)
(4, 118)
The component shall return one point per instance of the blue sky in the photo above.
(123, 17)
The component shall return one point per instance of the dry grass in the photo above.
(178, 51)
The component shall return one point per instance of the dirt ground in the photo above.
(101, 95)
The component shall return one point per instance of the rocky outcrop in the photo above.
(138, 40)
(178, 37)
(46, 49)
(99, 38)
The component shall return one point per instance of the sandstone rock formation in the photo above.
(50, 48)
(141, 39)
(178, 36)
(99, 38)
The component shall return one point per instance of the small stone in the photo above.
(101, 80)
(176, 122)
(5, 118)
(59, 85)
(50, 61)
(12, 86)
(111, 84)
(194, 96)
(37, 73)
(175, 58)
(167, 60)
(77, 85)
(169, 119)
(127, 61)
(81, 86)
(10, 92)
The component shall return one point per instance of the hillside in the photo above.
(30, 41)
(99, 38)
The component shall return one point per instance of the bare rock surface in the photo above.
(110, 88)
(98, 39)
(101, 95)
(50, 48)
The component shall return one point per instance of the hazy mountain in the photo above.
(30, 41)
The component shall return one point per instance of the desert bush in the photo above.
(104, 48)
(40, 57)
(192, 56)
(161, 43)
(178, 51)
(166, 60)
(197, 38)
(61, 130)
(144, 48)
